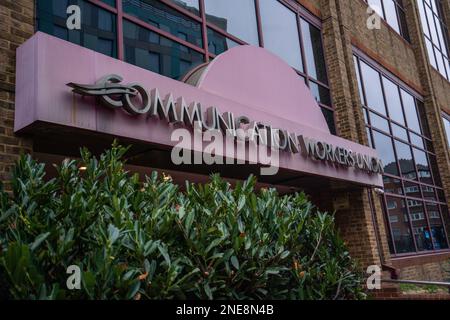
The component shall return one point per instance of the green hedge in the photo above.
(135, 240)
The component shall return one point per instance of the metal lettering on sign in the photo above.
(136, 100)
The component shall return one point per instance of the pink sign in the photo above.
(245, 81)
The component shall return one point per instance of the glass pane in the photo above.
(433, 33)
(321, 93)
(410, 111)
(358, 78)
(280, 30)
(218, 43)
(440, 62)
(403, 24)
(430, 52)
(165, 18)
(392, 185)
(447, 129)
(423, 168)
(399, 132)
(435, 170)
(437, 229)
(366, 115)
(369, 137)
(417, 140)
(441, 195)
(423, 118)
(383, 144)
(112, 3)
(379, 122)
(147, 50)
(329, 117)
(189, 5)
(98, 26)
(420, 225)
(412, 190)
(393, 101)
(399, 222)
(372, 86)
(391, 14)
(238, 22)
(429, 193)
(446, 217)
(376, 6)
(405, 160)
(315, 61)
(423, 18)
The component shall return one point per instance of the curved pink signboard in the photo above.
(65, 84)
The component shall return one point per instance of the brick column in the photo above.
(16, 26)
(356, 223)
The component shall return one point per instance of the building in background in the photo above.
(385, 88)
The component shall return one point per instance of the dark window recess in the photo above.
(315, 60)
(218, 43)
(329, 117)
(167, 19)
(98, 26)
(165, 57)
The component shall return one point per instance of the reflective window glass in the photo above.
(383, 144)
(419, 222)
(399, 223)
(393, 101)
(280, 30)
(405, 160)
(410, 111)
(165, 56)
(98, 26)
(237, 17)
(374, 93)
(165, 18)
(189, 5)
(314, 56)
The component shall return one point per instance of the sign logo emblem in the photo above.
(113, 94)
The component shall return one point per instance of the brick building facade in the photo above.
(363, 222)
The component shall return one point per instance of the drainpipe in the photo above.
(394, 273)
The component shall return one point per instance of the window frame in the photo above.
(444, 31)
(361, 57)
(399, 6)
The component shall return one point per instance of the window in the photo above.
(238, 22)
(170, 37)
(98, 26)
(398, 130)
(189, 5)
(446, 119)
(436, 35)
(394, 13)
(315, 60)
(165, 18)
(165, 56)
(280, 30)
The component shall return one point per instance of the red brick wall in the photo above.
(16, 26)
